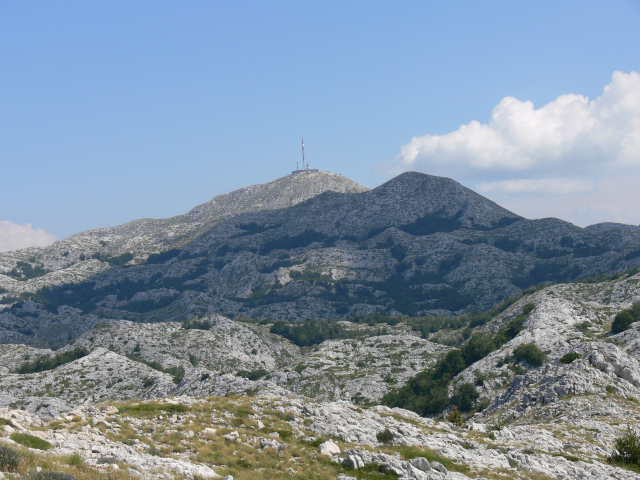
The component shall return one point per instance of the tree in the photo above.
(530, 353)
(465, 397)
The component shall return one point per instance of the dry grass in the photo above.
(71, 464)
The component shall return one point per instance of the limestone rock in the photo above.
(329, 448)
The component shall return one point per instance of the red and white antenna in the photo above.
(302, 153)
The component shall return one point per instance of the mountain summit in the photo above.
(315, 245)
(281, 193)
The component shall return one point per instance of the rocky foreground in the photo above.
(160, 400)
(275, 437)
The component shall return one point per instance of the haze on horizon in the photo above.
(114, 112)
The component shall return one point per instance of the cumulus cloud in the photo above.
(14, 236)
(569, 134)
(525, 157)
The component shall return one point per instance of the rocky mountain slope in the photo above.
(305, 246)
(260, 401)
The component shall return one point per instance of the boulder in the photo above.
(329, 448)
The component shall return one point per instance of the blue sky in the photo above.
(113, 111)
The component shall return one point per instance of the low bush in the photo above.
(152, 408)
(625, 318)
(31, 441)
(455, 416)
(75, 460)
(530, 353)
(627, 451)
(385, 436)
(253, 374)
(9, 459)
(310, 332)
(49, 475)
(567, 358)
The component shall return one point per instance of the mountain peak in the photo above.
(283, 192)
(430, 194)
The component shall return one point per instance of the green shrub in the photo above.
(75, 460)
(153, 407)
(148, 382)
(625, 318)
(627, 450)
(31, 441)
(310, 332)
(528, 308)
(46, 362)
(567, 358)
(48, 475)
(385, 436)
(252, 375)
(465, 397)
(118, 261)
(530, 353)
(9, 459)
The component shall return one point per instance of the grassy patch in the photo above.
(31, 441)
(152, 408)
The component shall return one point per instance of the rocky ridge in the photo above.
(306, 246)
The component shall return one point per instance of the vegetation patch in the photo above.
(9, 459)
(310, 332)
(49, 475)
(197, 324)
(625, 318)
(46, 362)
(163, 257)
(176, 372)
(152, 408)
(627, 450)
(30, 441)
(117, 261)
(253, 374)
(385, 436)
(567, 358)
(530, 353)
(26, 271)
(427, 392)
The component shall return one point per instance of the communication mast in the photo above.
(306, 167)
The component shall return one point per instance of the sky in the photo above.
(114, 111)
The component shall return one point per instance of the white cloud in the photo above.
(586, 150)
(558, 186)
(14, 236)
(569, 134)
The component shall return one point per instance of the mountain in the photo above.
(305, 246)
(117, 347)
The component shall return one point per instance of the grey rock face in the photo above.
(329, 448)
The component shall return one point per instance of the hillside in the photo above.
(557, 420)
(307, 246)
